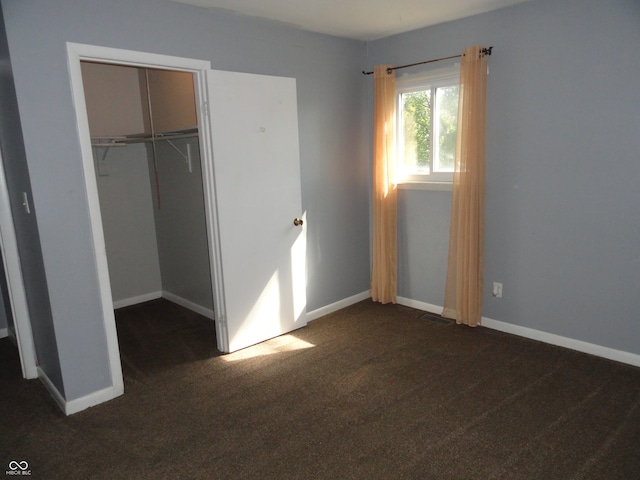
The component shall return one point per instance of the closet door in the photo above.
(254, 123)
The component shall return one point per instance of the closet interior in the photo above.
(144, 133)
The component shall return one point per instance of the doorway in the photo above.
(255, 225)
(101, 55)
(144, 136)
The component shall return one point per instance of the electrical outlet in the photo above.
(497, 290)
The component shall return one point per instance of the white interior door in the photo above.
(254, 129)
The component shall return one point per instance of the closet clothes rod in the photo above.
(160, 137)
(108, 144)
(124, 141)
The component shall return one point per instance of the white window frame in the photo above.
(414, 83)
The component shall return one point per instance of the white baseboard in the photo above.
(571, 343)
(183, 302)
(53, 391)
(91, 400)
(334, 307)
(127, 302)
(79, 404)
(188, 304)
(560, 341)
(4, 332)
(580, 346)
(418, 305)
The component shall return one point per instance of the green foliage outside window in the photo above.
(448, 113)
(417, 127)
(417, 131)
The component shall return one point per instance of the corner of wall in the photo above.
(77, 405)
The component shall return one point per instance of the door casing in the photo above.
(15, 284)
(82, 52)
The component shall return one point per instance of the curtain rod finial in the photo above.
(487, 50)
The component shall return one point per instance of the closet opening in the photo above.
(143, 124)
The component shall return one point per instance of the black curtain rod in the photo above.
(484, 51)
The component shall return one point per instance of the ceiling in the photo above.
(357, 19)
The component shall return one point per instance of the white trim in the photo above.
(134, 58)
(425, 185)
(79, 404)
(550, 338)
(127, 302)
(91, 400)
(560, 341)
(76, 53)
(211, 210)
(418, 305)
(53, 391)
(172, 297)
(188, 304)
(334, 307)
(15, 282)
(4, 332)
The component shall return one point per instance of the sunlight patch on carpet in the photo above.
(281, 344)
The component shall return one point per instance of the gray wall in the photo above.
(150, 247)
(126, 206)
(562, 211)
(423, 244)
(155, 247)
(334, 165)
(6, 315)
(181, 224)
(26, 227)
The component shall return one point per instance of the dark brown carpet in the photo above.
(370, 392)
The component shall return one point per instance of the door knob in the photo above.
(297, 222)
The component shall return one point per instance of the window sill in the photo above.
(436, 186)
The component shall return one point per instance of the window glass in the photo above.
(446, 128)
(416, 131)
(427, 125)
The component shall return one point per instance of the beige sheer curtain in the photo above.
(463, 291)
(384, 256)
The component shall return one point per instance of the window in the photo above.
(427, 120)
